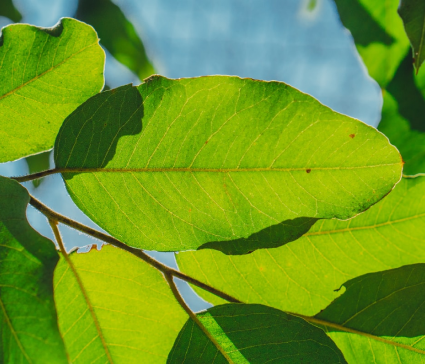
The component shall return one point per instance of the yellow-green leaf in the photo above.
(302, 276)
(45, 74)
(115, 308)
(235, 163)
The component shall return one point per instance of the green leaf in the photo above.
(253, 334)
(410, 143)
(46, 74)
(216, 159)
(29, 330)
(413, 14)
(387, 308)
(37, 163)
(402, 120)
(8, 10)
(301, 276)
(117, 34)
(115, 308)
(378, 34)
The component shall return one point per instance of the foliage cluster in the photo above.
(293, 220)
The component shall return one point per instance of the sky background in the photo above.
(262, 39)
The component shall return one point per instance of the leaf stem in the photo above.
(55, 217)
(193, 316)
(37, 175)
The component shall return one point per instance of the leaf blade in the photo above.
(413, 14)
(301, 276)
(40, 66)
(238, 169)
(385, 305)
(117, 34)
(29, 322)
(115, 318)
(253, 334)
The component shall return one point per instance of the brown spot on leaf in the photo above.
(352, 136)
(206, 142)
(308, 170)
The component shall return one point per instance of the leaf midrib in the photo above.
(325, 323)
(212, 170)
(9, 324)
(90, 306)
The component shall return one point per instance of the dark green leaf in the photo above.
(413, 14)
(387, 309)
(253, 334)
(116, 34)
(402, 116)
(411, 143)
(302, 276)
(216, 159)
(411, 103)
(8, 10)
(29, 330)
(115, 308)
(45, 74)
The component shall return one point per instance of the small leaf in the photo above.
(216, 159)
(115, 308)
(45, 74)
(29, 330)
(413, 14)
(8, 10)
(117, 34)
(253, 334)
(301, 276)
(386, 312)
(37, 163)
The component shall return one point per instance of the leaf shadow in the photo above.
(270, 237)
(109, 116)
(385, 304)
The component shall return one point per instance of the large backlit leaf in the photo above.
(28, 323)
(302, 276)
(387, 309)
(116, 34)
(413, 14)
(214, 159)
(115, 308)
(252, 334)
(378, 33)
(45, 74)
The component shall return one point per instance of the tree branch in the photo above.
(54, 216)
